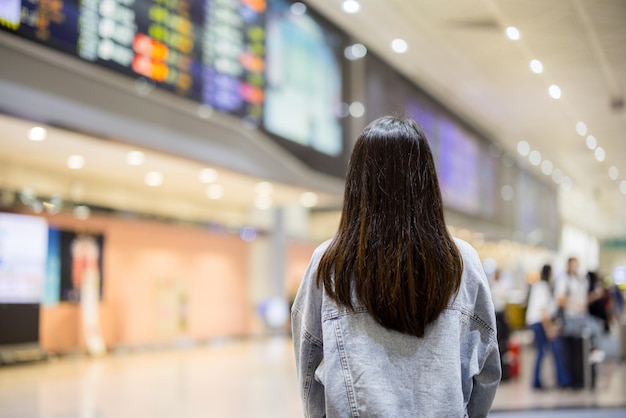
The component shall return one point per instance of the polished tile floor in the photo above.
(253, 378)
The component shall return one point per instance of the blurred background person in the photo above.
(598, 301)
(617, 302)
(572, 295)
(499, 295)
(540, 312)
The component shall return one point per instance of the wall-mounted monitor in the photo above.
(458, 167)
(23, 254)
(304, 91)
(457, 151)
(304, 79)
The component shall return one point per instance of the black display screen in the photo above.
(19, 323)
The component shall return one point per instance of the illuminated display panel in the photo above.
(427, 117)
(388, 93)
(537, 210)
(457, 152)
(234, 57)
(489, 184)
(209, 51)
(304, 79)
(54, 23)
(23, 254)
(458, 166)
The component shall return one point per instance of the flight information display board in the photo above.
(304, 79)
(458, 167)
(234, 56)
(210, 51)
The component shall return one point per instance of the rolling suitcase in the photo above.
(576, 352)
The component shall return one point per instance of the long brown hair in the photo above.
(392, 250)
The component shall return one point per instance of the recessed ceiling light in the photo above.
(154, 179)
(308, 199)
(566, 183)
(591, 142)
(534, 157)
(357, 109)
(599, 154)
(76, 162)
(512, 33)
(350, 6)
(264, 188)
(554, 91)
(547, 167)
(135, 158)
(37, 133)
(399, 45)
(355, 52)
(298, 8)
(263, 202)
(613, 173)
(54, 204)
(204, 111)
(248, 234)
(622, 186)
(507, 193)
(581, 128)
(207, 175)
(27, 196)
(215, 191)
(523, 148)
(557, 176)
(536, 66)
(81, 212)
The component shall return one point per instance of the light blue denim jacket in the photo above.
(350, 366)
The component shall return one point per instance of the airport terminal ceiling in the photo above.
(458, 53)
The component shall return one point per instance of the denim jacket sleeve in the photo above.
(485, 385)
(306, 323)
(485, 362)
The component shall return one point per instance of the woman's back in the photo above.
(370, 371)
(394, 317)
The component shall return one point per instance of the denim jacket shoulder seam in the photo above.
(312, 339)
(469, 313)
(493, 346)
(463, 310)
(305, 332)
(344, 312)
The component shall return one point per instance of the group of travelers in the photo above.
(568, 317)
